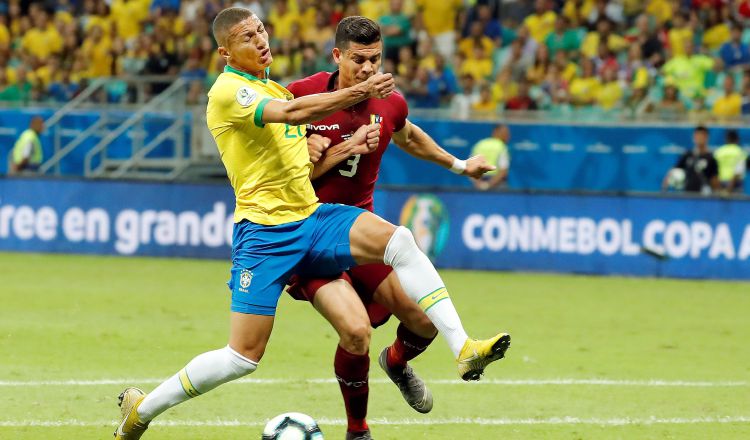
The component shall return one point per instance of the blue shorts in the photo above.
(265, 257)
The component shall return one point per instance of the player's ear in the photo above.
(337, 55)
(223, 52)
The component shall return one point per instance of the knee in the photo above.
(252, 353)
(356, 338)
(401, 242)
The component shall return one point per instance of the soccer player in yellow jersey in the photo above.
(281, 229)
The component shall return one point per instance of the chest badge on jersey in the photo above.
(245, 96)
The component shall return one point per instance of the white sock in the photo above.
(204, 373)
(422, 283)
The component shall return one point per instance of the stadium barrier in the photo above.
(565, 156)
(544, 155)
(592, 234)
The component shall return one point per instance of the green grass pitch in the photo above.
(592, 358)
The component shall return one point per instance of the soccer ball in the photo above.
(676, 178)
(292, 426)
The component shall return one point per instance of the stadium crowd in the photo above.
(648, 58)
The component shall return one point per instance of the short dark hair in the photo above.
(701, 128)
(356, 29)
(733, 137)
(225, 20)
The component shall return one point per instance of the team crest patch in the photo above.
(245, 96)
(246, 277)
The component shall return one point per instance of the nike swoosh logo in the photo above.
(473, 357)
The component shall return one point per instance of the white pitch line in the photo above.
(506, 382)
(385, 421)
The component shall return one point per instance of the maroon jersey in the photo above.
(352, 181)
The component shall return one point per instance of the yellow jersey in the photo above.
(268, 164)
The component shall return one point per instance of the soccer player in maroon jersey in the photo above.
(346, 173)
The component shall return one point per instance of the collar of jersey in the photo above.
(247, 75)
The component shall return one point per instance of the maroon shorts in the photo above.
(365, 279)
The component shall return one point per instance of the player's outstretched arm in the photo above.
(365, 140)
(311, 108)
(416, 142)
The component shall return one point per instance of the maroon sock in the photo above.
(351, 372)
(406, 347)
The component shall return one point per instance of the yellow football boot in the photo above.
(131, 427)
(476, 355)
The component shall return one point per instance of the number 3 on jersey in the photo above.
(352, 162)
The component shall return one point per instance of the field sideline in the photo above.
(592, 357)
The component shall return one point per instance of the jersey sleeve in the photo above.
(401, 111)
(241, 104)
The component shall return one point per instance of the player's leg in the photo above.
(248, 338)
(338, 303)
(374, 240)
(258, 275)
(379, 289)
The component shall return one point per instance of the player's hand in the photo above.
(477, 167)
(316, 146)
(380, 85)
(366, 139)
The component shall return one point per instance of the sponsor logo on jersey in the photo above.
(425, 215)
(323, 127)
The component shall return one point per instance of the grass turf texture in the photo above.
(89, 318)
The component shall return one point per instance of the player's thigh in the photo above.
(263, 258)
(391, 295)
(340, 305)
(249, 334)
(368, 238)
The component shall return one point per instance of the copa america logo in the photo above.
(425, 215)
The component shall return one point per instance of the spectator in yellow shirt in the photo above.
(585, 89)
(568, 70)
(504, 87)
(538, 71)
(102, 18)
(128, 15)
(486, 105)
(282, 18)
(476, 38)
(729, 105)
(680, 34)
(439, 18)
(542, 22)
(590, 45)
(96, 50)
(577, 11)
(717, 32)
(610, 93)
(660, 9)
(4, 34)
(479, 66)
(43, 39)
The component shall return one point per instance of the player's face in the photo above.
(358, 62)
(247, 46)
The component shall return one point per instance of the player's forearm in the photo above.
(311, 108)
(333, 156)
(422, 146)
